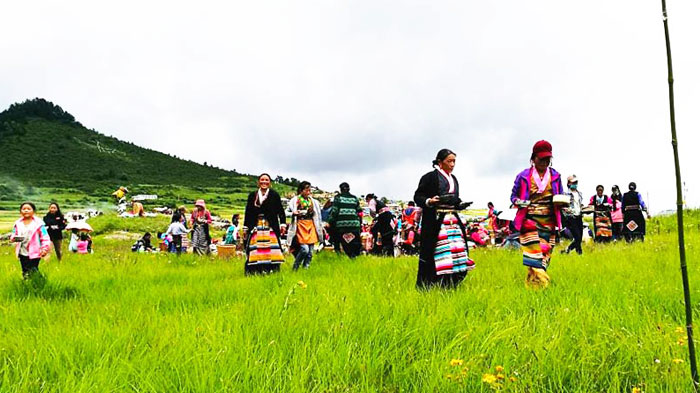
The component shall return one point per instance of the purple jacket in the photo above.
(521, 190)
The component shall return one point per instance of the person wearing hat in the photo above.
(573, 214)
(538, 219)
(345, 221)
(632, 207)
(602, 221)
(200, 220)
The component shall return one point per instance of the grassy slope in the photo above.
(80, 168)
(115, 321)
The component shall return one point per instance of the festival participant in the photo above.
(55, 224)
(538, 219)
(120, 195)
(574, 216)
(231, 237)
(617, 216)
(261, 225)
(305, 228)
(410, 217)
(137, 209)
(444, 257)
(177, 229)
(632, 207)
(84, 244)
(200, 220)
(345, 222)
(182, 214)
(32, 241)
(602, 223)
(410, 214)
(384, 228)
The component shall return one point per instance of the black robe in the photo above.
(55, 224)
(271, 208)
(430, 185)
(273, 211)
(632, 211)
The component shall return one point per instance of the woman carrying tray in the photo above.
(444, 256)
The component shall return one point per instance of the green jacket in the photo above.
(343, 217)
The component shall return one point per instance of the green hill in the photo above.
(48, 154)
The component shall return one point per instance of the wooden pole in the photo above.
(679, 210)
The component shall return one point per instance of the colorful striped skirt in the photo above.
(263, 249)
(451, 253)
(537, 239)
(603, 226)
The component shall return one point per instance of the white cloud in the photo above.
(368, 91)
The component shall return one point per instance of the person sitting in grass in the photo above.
(32, 241)
(231, 237)
(84, 245)
(143, 244)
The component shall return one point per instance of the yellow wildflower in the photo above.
(489, 378)
(513, 379)
(302, 284)
(500, 377)
(499, 369)
(637, 390)
(448, 376)
(680, 329)
(456, 362)
(677, 361)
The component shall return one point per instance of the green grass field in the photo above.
(115, 321)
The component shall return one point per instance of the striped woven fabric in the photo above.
(603, 225)
(451, 254)
(537, 235)
(264, 246)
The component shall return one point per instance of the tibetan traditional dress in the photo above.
(538, 232)
(444, 258)
(602, 218)
(263, 215)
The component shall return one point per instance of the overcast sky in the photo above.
(368, 91)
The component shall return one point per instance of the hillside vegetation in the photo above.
(48, 155)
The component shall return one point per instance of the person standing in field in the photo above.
(177, 229)
(32, 241)
(345, 221)
(602, 222)
(200, 220)
(538, 219)
(261, 229)
(632, 207)
(574, 215)
(306, 227)
(444, 256)
(384, 226)
(55, 223)
(618, 218)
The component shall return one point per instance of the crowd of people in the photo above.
(430, 226)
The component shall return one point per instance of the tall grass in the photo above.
(117, 321)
